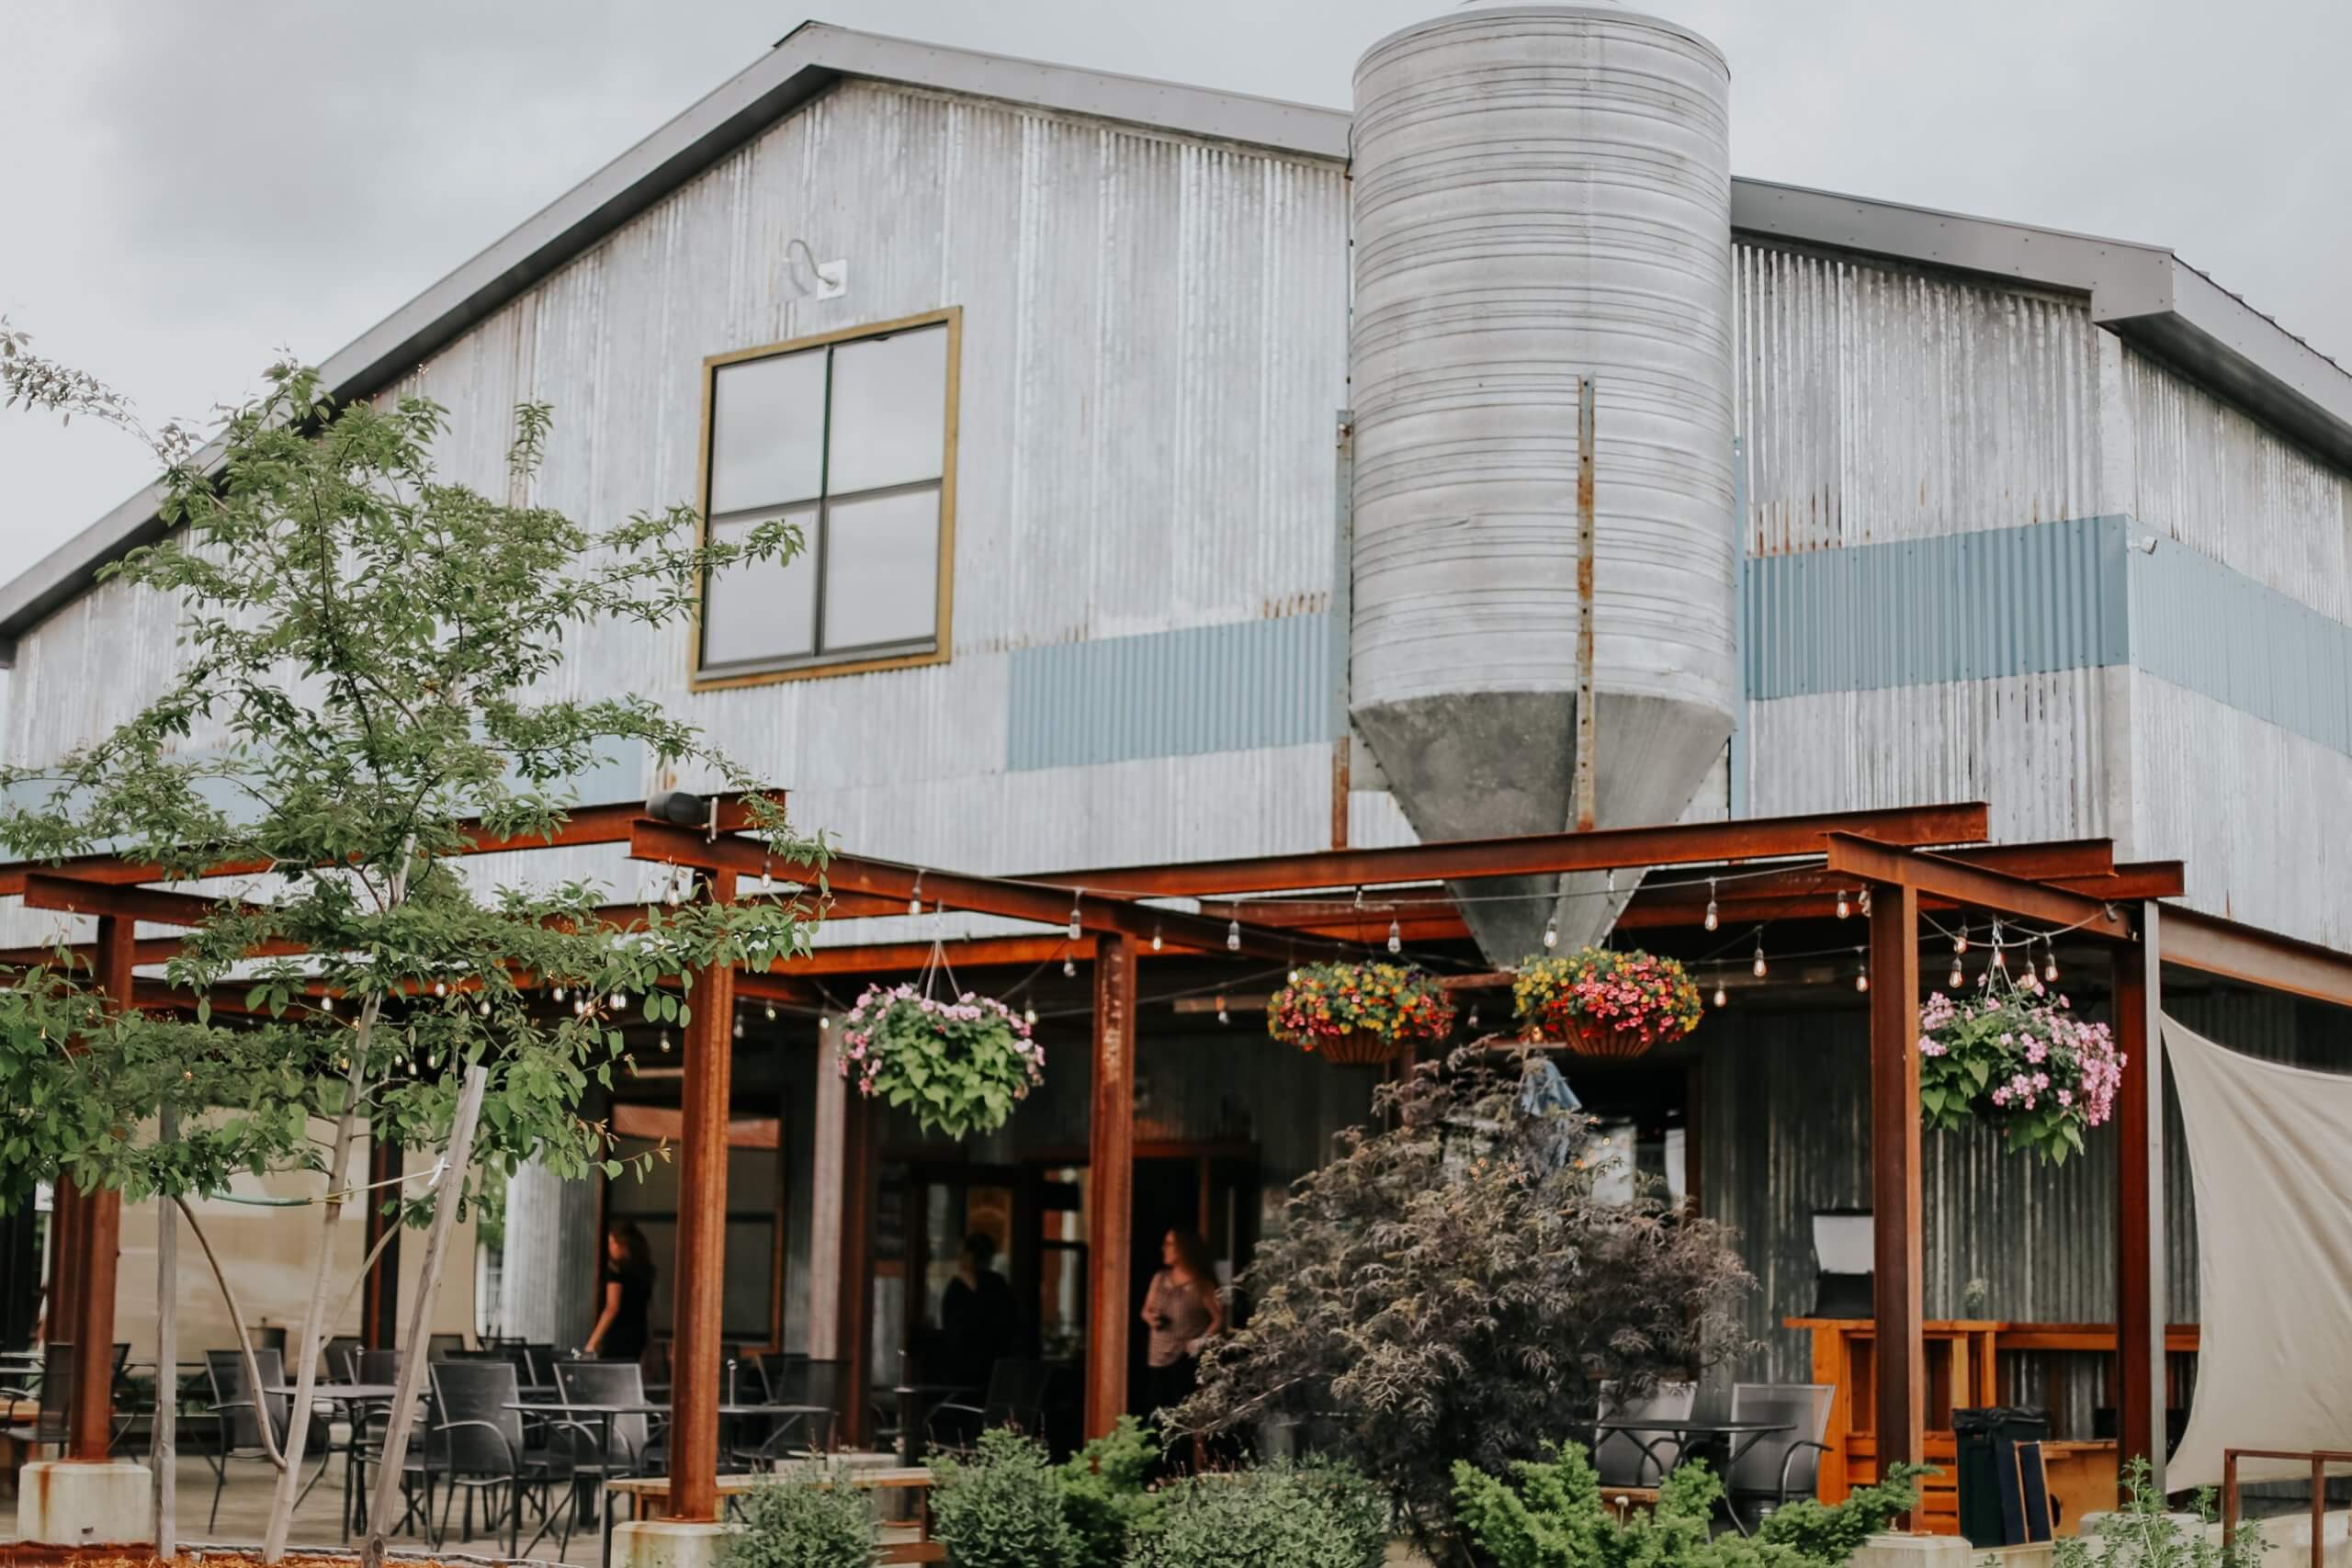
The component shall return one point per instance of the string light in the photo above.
(580, 1008)
(2050, 959)
(326, 1001)
(621, 1001)
(1953, 981)
(1474, 1015)
(440, 989)
(559, 993)
(1713, 919)
(1844, 909)
(1294, 975)
(1029, 1015)
(1223, 1016)
(1233, 936)
(1722, 996)
(1862, 900)
(1552, 933)
(824, 1022)
(1959, 944)
(1758, 966)
(768, 876)
(665, 1042)
(770, 1010)
(1395, 938)
(669, 893)
(914, 903)
(1076, 930)
(739, 1026)
(1155, 936)
(1863, 974)
(482, 1007)
(1999, 962)
(1069, 968)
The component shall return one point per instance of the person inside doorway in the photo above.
(977, 1324)
(623, 1324)
(1183, 1312)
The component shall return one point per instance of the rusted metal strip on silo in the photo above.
(1586, 725)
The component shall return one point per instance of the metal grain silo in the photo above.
(1542, 193)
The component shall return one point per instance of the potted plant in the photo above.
(1355, 1013)
(959, 1066)
(2017, 1057)
(1603, 1002)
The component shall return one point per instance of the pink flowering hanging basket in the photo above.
(1606, 1004)
(2016, 1057)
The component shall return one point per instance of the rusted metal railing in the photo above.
(2318, 1459)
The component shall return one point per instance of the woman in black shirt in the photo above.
(623, 1327)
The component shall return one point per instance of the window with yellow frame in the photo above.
(851, 435)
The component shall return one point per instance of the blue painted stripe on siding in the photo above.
(2217, 632)
(1236, 687)
(1958, 607)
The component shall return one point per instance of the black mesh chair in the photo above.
(1015, 1398)
(51, 1387)
(538, 1363)
(334, 1359)
(441, 1347)
(238, 1416)
(376, 1367)
(819, 1385)
(608, 1447)
(479, 1449)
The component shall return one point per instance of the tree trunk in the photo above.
(236, 1322)
(306, 1364)
(162, 1458)
(428, 1287)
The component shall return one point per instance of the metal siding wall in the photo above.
(2206, 626)
(2214, 478)
(1878, 402)
(1227, 688)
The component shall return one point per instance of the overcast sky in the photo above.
(187, 188)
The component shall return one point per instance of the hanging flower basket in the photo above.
(1604, 1003)
(959, 1067)
(1352, 1014)
(2017, 1057)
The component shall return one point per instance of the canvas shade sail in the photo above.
(2270, 1162)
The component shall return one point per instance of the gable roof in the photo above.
(2144, 293)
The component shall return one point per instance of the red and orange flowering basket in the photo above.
(1601, 1002)
(1355, 1013)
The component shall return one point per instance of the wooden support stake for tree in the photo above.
(411, 1382)
(162, 1458)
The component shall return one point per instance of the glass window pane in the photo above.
(882, 569)
(756, 610)
(889, 410)
(767, 430)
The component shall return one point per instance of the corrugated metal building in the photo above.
(2049, 522)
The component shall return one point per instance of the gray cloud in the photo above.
(189, 188)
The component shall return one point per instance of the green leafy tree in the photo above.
(1550, 1513)
(370, 684)
(1457, 1287)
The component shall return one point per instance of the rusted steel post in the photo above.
(1586, 531)
(1343, 618)
(2229, 1500)
(2140, 1203)
(1110, 1181)
(704, 1094)
(2319, 1512)
(1899, 1345)
(379, 1306)
(857, 1300)
(97, 1241)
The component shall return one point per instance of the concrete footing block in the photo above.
(668, 1544)
(62, 1502)
(1915, 1551)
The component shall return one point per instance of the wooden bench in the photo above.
(648, 1498)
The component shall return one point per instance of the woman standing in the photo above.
(1183, 1312)
(624, 1325)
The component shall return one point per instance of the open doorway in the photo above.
(1212, 1192)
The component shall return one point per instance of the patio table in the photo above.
(605, 1415)
(351, 1396)
(1704, 1436)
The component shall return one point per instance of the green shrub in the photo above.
(1003, 1508)
(1550, 1514)
(802, 1524)
(2144, 1534)
(1104, 1498)
(1280, 1516)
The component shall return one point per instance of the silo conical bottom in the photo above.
(1495, 764)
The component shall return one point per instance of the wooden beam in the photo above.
(48, 890)
(1042, 903)
(1460, 860)
(97, 1245)
(1896, 1185)
(2234, 952)
(1938, 876)
(860, 1181)
(1110, 1181)
(971, 953)
(2140, 1274)
(706, 1095)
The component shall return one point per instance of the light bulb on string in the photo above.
(1862, 900)
(1999, 962)
(1223, 1016)
(1077, 928)
(768, 876)
(1474, 1016)
(1156, 943)
(1069, 968)
(559, 993)
(1843, 907)
(1953, 981)
(914, 903)
(1959, 941)
(440, 987)
(670, 895)
(621, 1001)
(665, 1042)
(1758, 967)
(2048, 960)
(326, 1003)
(1861, 974)
(1552, 933)
(1294, 975)
(1722, 997)
(1714, 917)
(1029, 1015)
(1233, 937)
(769, 1012)
(739, 1026)
(482, 1007)
(824, 1022)
(1395, 937)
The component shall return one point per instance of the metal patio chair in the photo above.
(634, 1445)
(238, 1414)
(1638, 1459)
(1780, 1467)
(481, 1449)
(1015, 1398)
